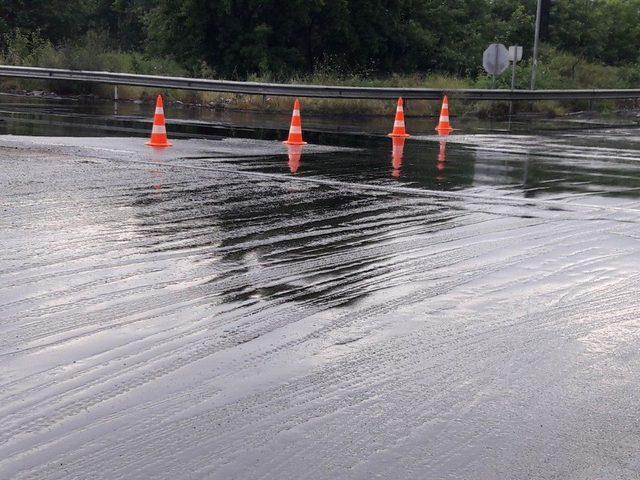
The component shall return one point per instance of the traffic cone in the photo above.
(398, 124)
(444, 127)
(294, 152)
(397, 151)
(159, 131)
(295, 130)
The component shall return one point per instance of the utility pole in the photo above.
(536, 41)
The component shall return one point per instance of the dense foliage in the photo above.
(280, 38)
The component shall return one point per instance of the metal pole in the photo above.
(115, 99)
(536, 42)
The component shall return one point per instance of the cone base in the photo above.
(398, 135)
(287, 142)
(154, 144)
(444, 130)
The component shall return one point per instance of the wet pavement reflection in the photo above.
(397, 151)
(294, 152)
(444, 166)
(28, 114)
(233, 308)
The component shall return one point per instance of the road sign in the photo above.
(515, 53)
(495, 59)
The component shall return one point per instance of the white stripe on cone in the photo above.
(158, 129)
(294, 129)
(159, 110)
(296, 113)
(444, 118)
(398, 123)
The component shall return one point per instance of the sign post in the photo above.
(515, 55)
(495, 60)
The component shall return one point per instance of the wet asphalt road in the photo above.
(224, 310)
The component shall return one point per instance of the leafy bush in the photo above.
(91, 52)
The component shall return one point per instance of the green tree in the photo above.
(580, 27)
(57, 20)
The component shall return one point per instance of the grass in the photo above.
(339, 106)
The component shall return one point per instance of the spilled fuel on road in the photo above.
(357, 307)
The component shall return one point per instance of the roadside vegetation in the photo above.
(337, 42)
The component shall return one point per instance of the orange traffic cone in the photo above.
(398, 124)
(444, 127)
(295, 130)
(159, 131)
(294, 152)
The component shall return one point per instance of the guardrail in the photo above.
(317, 91)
